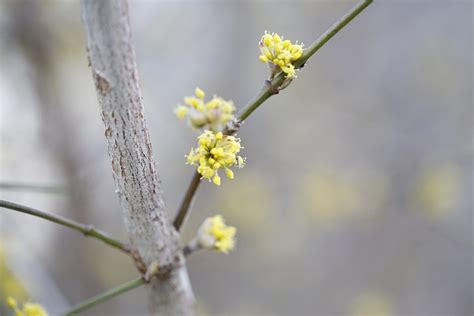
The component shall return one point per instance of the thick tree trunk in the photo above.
(112, 59)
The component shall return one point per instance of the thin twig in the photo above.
(87, 230)
(130, 285)
(270, 88)
(17, 186)
(193, 246)
(187, 201)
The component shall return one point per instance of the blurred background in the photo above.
(357, 194)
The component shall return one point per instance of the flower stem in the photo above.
(270, 88)
(130, 285)
(87, 230)
(187, 201)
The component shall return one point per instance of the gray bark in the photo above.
(112, 59)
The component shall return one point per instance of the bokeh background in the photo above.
(357, 194)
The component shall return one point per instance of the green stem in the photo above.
(271, 88)
(333, 30)
(87, 230)
(130, 285)
(264, 94)
(14, 186)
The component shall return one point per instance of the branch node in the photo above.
(152, 270)
(141, 266)
(89, 229)
(273, 89)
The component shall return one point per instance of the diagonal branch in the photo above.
(187, 201)
(270, 88)
(102, 297)
(87, 230)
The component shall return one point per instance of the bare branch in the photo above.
(102, 297)
(87, 230)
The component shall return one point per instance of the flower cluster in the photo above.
(213, 115)
(29, 309)
(216, 151)
(214, 233)
(280, 54)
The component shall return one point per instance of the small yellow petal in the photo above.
(181, 111)
(229, 174)
(216, 180)
(199, 93)
(267, 39)
(263, 58)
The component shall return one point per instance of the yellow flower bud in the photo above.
(267, 39)
(216, 180)
(229, 174)
(199, 93)
(181, 111)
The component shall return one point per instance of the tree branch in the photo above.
(187, 201)
(269, 88)
(102, 297)
(87, 230)
(17, 186)
(152, 235)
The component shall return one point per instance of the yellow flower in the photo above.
(280, 54)
(29, 309)
(216, 151)
(199, 93)
(212, 115)
(11, 302)
(181, 111)
(214, 233)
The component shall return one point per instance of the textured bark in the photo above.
(151, 233)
